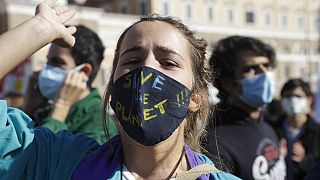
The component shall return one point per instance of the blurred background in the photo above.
(290, 26)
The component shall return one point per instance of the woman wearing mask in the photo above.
(301, 133)
(158, 92)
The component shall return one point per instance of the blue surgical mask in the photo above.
(149, 105)
(258, 90)
(50, 81)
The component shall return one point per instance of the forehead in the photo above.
(58, 51)
(59, 55)
(251, 58)
(155, 33)
(295, 91)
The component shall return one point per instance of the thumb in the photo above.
(283, 142)
(69, 38)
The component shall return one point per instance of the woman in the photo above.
(158, 92)
(298, 129)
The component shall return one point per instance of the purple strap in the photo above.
(102, 164)
(194, 160)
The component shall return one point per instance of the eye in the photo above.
(267, 65)
(132, 61)
(168, 64)
(248, 69)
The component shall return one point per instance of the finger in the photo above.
(84, 80)
(68, 78)
(72, 29)
(69, 39)
(85, 77)
(295, 158)
(50, 2)
(60, 9)
(76, 81)
(283, 142)
(298, 147)
(66, 15)
(297, 152)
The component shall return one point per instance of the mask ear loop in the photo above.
(78, 68)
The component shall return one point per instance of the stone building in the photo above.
(290, 26)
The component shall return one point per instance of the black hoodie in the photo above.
(249, 147)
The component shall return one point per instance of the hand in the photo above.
(71, 91)
(298, 152)
(283, 147)
(52, 18)
(73, 87)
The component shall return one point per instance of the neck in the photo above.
(254, 112)
(296, 122)
(84, 94)
(145, 162)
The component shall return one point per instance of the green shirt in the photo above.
(85, 116)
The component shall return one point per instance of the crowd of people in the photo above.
(173, 116)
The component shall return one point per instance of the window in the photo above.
(188, 11)
(300, 20)
(249, 17)
(124, 8)
(284, 19)
(302, 70)
(287, 70)
(230, 15)
(302, 50)
(143, 7)
(165, 8)
(268, 17)
(210, 14)
(316, 24)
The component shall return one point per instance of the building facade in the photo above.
(290, 26)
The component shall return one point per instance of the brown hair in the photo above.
(196, 121)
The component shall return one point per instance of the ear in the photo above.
(87, 69)
(195, 102)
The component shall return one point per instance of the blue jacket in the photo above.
(37, 153)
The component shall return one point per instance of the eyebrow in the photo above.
(133, 48)
(56, 60)
(167, 50)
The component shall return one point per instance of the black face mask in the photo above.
(149, 105)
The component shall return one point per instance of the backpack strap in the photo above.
(197, 171)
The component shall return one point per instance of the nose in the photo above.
(150, 60)
(261, 69)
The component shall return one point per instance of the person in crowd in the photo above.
(159, 95)
(33, 100)
(66, 81)
(13, 99)
(298, 128)
(238, 135)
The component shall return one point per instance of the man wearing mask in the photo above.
(302, 134)
(238, 136)
(65, 84)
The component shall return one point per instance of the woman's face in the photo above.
(158, 45)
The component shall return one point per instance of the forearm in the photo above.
(60, 110)
(21, 42)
